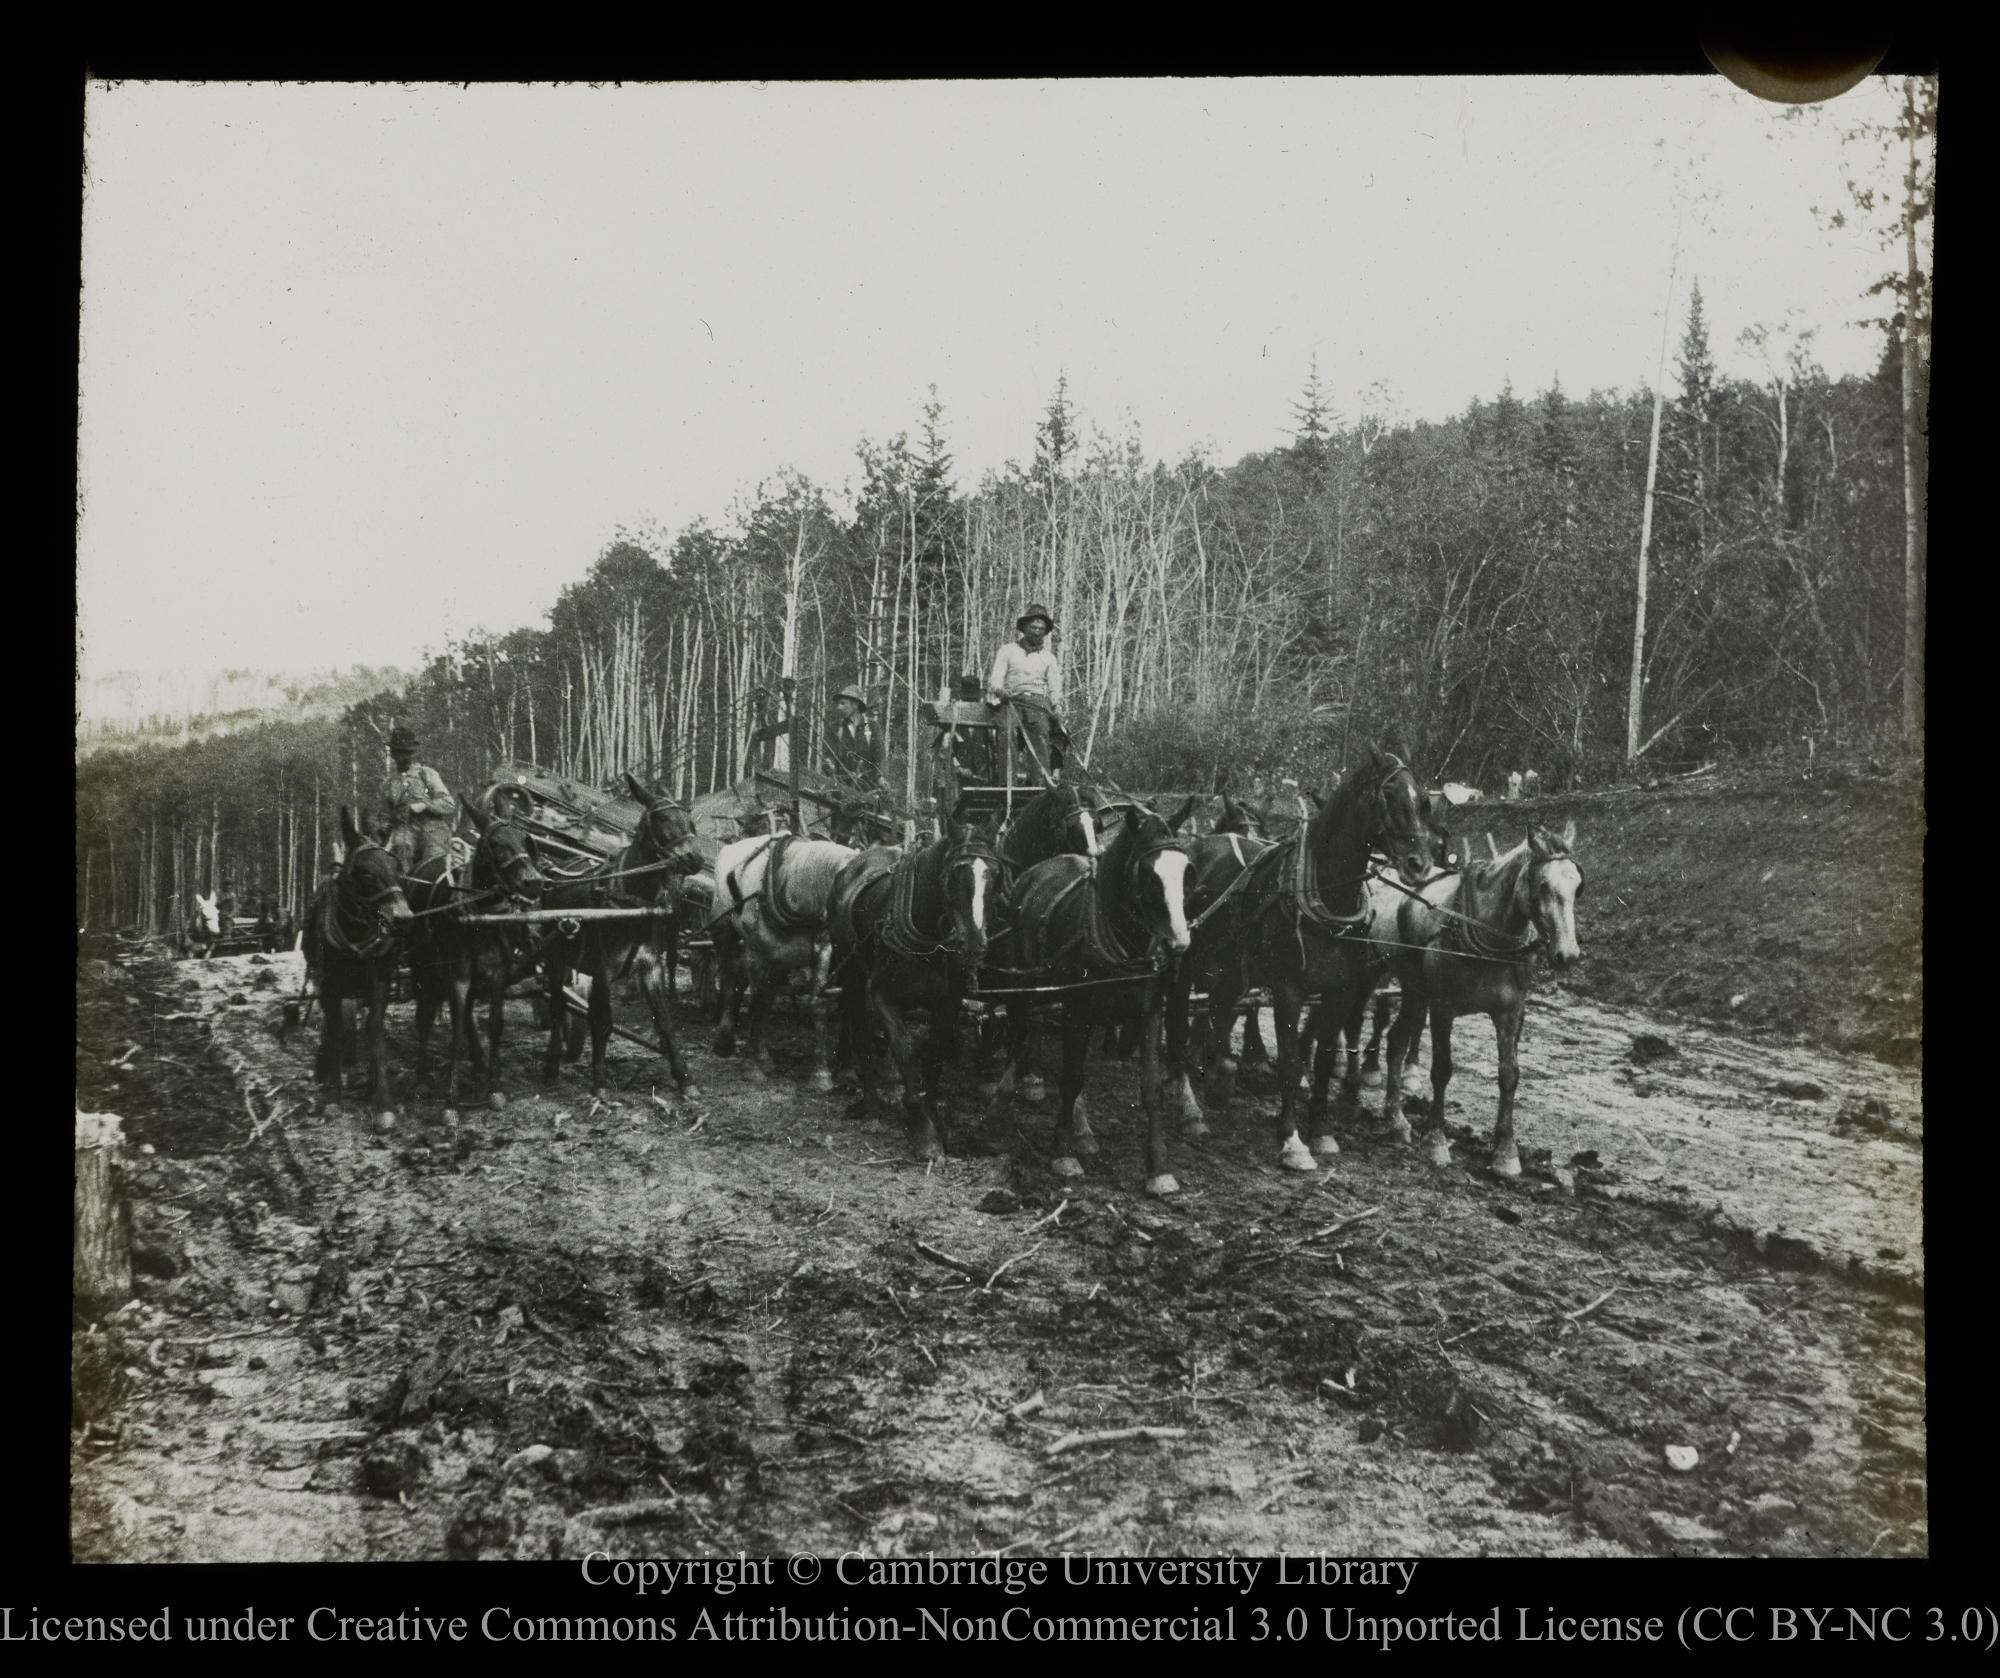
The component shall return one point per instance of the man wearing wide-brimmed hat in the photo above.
(416, 804)
(1027, 680)
(853, 747)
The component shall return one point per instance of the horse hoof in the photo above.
(1439, 1154)
(822, 1083)
(1507, 1163)
(1371, 1079)
(690, 1092)
(1296, 1156)
(1162, 1185)
(1064, 1166)
(725, 1047)
(1033, 1091)
(989, 1090)
(331, 1110)
(497, 1100)
(385, 1121)
(1086, 1144)
(1195, 1130)
(1325, 1146)
(756, 1074)
(450, 1116)
(1399, 1131)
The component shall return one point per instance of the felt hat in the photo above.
(854, 693)
(402, 739)
(1033, 612)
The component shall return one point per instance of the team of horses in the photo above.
(1089, 908)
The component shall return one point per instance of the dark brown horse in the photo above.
(1290, 923)
(1095, 933)
(353, 940)
(909, 935)
(459, 964)
(1216, 861)
(1466, 945)
(1387, 892)
(642, 876)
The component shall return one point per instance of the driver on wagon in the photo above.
(1026, 677)
(421, 811)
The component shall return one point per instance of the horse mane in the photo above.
(810, 867)
(1492, 881)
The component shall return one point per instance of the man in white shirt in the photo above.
(1027, 680)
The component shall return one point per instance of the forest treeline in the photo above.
(1469, 585)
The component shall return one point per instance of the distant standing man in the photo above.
(417, 805)
(854, 748)
(1026, 678)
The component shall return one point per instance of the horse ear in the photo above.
(1182, 814)
(1538, 841)
(350, 831)
(646, 800)
(1569, 834)
(478, 817)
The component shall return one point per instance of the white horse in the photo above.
(772, 895)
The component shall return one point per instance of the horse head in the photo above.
(502, 857)
(666, 830)
(1148, 866)
(370, 878)
(1554, 884)
(1244, 819)
(972, 875)
(1398, 816)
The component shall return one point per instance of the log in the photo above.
(548, 917)
(102, 1267)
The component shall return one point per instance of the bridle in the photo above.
(348, 909)
(900, 932)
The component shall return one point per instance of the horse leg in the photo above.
(378, 1051)
(919, 1123)
(1323, 1032)
(1027, 1065)
(1286, 1003)
(1402, 1037)
(1254, 1052)
(1437, 1143)
(423, 980)
(729, 956)
(1076, 1033)
(1507, 1030)
(822, 1073)
(459, 980)
(495, 983)
(1174, 1022)
(653, 986)
(1371, 1059)
(600, 1016)
(555, 978)
(1152, 1095)
(1221, 1031)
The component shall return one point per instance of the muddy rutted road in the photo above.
(691, 1327)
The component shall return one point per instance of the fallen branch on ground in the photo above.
(1016, 1259)
(971, 1271)
(1578, 1316)
(1113, 1436)
(1051, 1218)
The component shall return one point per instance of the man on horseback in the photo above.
(1027, 680)
(417, 805)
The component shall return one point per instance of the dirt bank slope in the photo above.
(1802, 899)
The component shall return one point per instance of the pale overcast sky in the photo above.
(367, 366)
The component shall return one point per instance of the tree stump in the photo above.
(102, 1276)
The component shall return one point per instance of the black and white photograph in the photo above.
(1038, 821)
